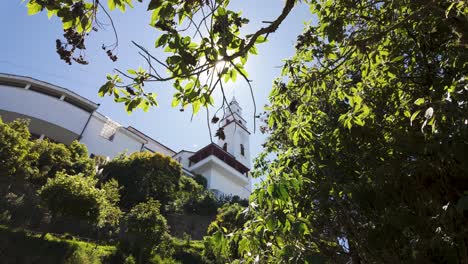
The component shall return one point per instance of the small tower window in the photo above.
(242, 150)
(225, 147)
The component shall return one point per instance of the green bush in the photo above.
(130, 260)
(48, 158)
(143, 176)
(229, 217)
(156, 259)
(146, 231)
(201, 180)
(78, 197)
(19, 247)
(14, 147)
(83, 256)
(188, 191)
(204, 204)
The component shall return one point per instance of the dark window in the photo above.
(35, 136)
(92, 155)
(242, 150)
(225, 147)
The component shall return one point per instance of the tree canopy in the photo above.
(144, 175)
(368, 122)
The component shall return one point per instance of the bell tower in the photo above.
(237, 136)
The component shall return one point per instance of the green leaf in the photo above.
(413, 116)
(196, 106)
(33, 8)
(175, 102)
(303, 229)
(145, 105)
(271, 189)
(106, 88)
(162, 40)
(260, 39)
(111, 4)
(283, 192)
(419, 101)
(154, 4)
(253, 50)
(51, 13)
(244, 245)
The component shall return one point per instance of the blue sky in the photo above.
(27, 47)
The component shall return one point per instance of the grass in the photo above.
(188, 253)
(20, 246)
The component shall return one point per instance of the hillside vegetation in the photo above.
(99, 212)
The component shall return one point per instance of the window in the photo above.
(242, 150)
(225, 147)
(109, 129)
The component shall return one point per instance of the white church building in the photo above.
(64, 116)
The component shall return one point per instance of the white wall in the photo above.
(223, 177)
(183, 158)
(43, 107)
(99, 145)
(155, 147)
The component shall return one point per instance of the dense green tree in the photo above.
(14, 147)
(143, 176)
(230, 218)
(77, 196)
(188, 191)
(48, 158)
(147, 230)
(368, 131)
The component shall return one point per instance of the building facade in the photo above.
(64, 116)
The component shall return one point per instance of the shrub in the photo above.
(147, 230)
(14, 147)
(201, 180)
(77, 196)
(83, 256)
(189, 191)
(156, 259)
(204, 204)
(144, 175)
(48, 158)
(229, 217)
(130, 260)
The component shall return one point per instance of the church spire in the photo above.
(234, 126)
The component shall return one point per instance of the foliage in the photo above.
(230, 218)
(14, 147)
(143, 176)
(204, 204)
(188, 251)
(25, 247)
(201, 38)
(147, 230)
(48, 158)
(156, 259)
(78, 197)
(188, 191)
(368, 123)
(81, 256)
(200, 179)
(356, 173)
